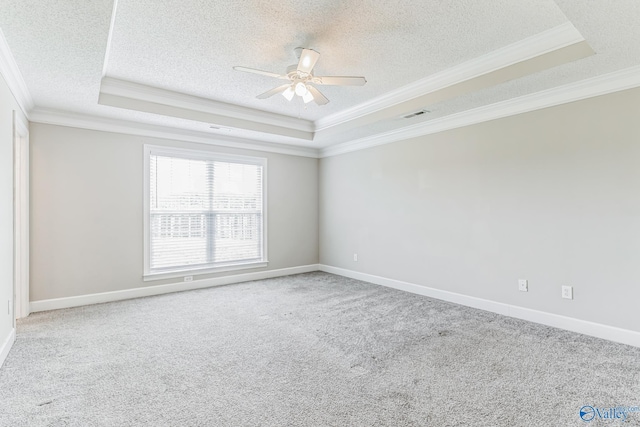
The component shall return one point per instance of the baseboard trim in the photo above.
(598, 330)
(6, 346)
(611, 333)
(80, 300)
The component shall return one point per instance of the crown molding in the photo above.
(548, 41)
(137, 91)
(82, 121)
(627, 78)
(107, 50)
(601, 85)
(13, 77)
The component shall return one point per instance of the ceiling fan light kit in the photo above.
(301, 89)
(288, 93)
(307, 97)
(302, 79)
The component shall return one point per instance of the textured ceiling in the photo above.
(59, 47)
(64, 48)
(191, 46)
(613, 33)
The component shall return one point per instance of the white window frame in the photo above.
(205, 155)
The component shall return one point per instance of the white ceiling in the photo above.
(169, 63)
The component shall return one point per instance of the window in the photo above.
(203, 211)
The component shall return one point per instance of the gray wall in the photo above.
(8, 105)
(552, 196)
(86, 210)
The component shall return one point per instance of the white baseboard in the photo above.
(598, 330)
(6, 346)
(611, 333)
(80, 300)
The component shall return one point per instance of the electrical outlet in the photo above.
(567, 292)
(355, 257)
(523, 285)
(188, 278)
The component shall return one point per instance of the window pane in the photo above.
(238, 237)
(179, 184)
(204, 212)
(237, 187)
(178, 240)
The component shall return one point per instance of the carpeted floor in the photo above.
(306, 350)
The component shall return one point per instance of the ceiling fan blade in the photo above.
(340, 80)
(318, 97)
(308, 59)
(264, 73)
(273, 91)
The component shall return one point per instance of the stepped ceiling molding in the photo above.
(165, 69)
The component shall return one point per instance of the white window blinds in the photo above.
(204, 211)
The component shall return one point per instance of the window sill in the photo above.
(209, 270)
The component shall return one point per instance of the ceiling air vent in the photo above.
(220, 128)
(415, 113)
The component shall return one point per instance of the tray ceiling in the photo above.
(169, 63)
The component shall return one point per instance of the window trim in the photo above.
(149, 150)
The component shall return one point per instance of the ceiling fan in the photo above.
(301, 79)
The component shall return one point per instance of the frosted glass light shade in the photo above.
(288, 93)
(307, 97)
(301, 89)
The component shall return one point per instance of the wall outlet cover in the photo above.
(523, 285)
